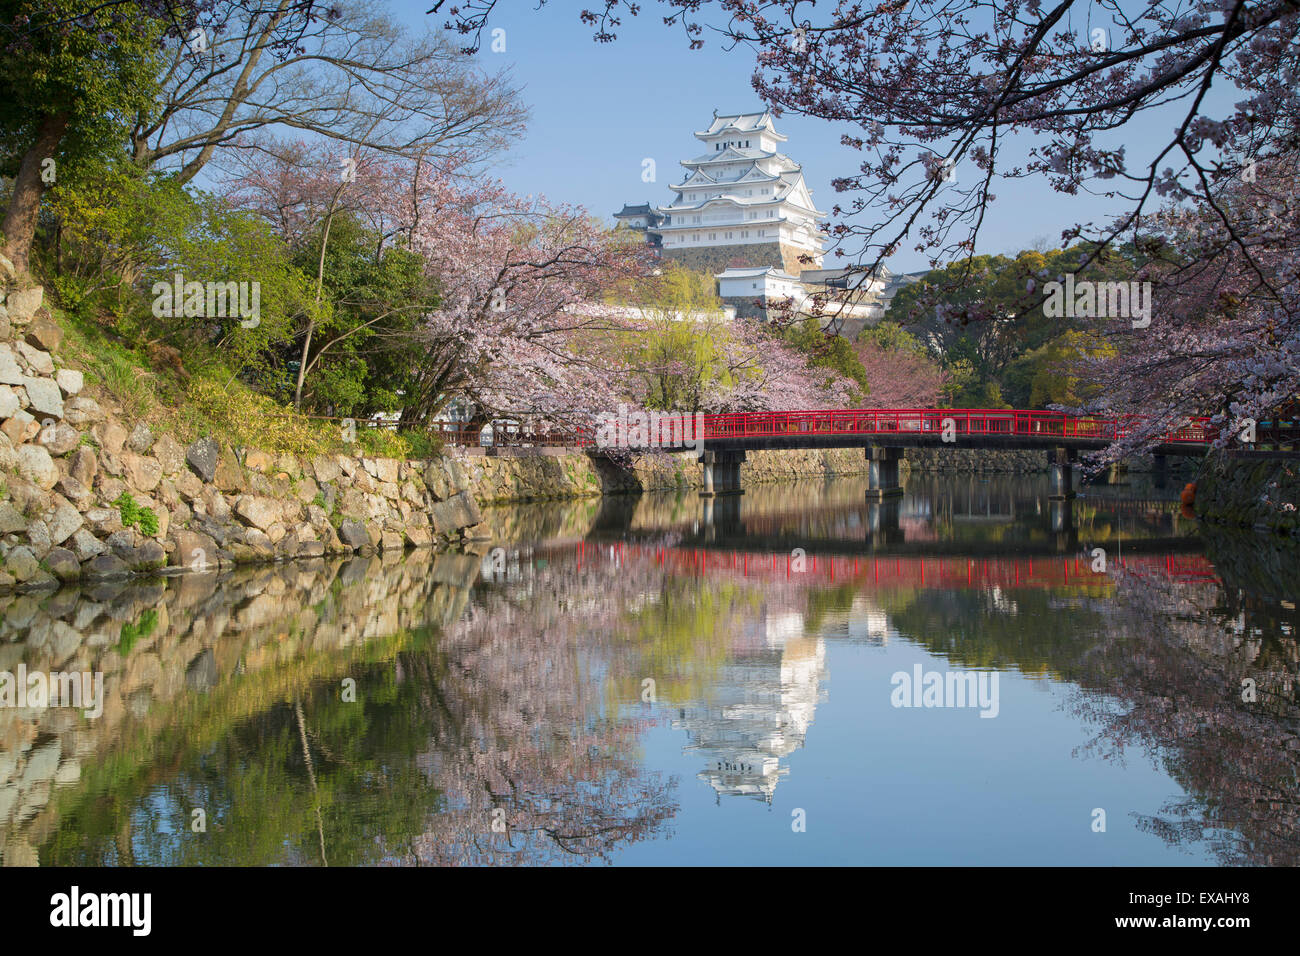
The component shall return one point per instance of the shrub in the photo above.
(135, 516)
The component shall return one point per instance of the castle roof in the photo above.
(740, 123)
(643, 209)
(754, 175)
(732, 154)
(754, 273)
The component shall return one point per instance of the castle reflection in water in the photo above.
(765, 697)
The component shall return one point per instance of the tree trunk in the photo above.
(25, 203)
(311, 323)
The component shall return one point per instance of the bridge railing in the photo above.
(924, 421)
(667, 430)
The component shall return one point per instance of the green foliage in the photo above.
(113, 220)
(981, 319)
(679, 361)
(892, 337)
(1049, 374)
(364, 353)
(134, 516)
(222, 245)
(243, 418)
(834, 353)
(100, 73)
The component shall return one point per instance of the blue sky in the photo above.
(599, 110)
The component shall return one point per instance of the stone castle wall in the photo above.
(67, 459)
(975, 461)
(527, 477)
(1263, 494)
(715, 259)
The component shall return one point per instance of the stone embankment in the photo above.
(1258, 493)
(517, 475)
(520, 476)
(976, 461)
(87, 495)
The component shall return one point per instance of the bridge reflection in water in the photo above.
(1040, 523)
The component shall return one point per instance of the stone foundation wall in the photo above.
(746, 307)
(532, 477)
(83, 495)
(978, 461)
(1263, 494)
(756, 255)
(975, 461)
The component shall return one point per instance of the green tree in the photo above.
(675, 359)
(1051, 373)
(979, 316)
(830, 352)
(364, 352)
(73, 77)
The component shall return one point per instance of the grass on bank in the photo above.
(209, 402)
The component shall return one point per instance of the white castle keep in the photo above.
(743, 214)
(740, 196)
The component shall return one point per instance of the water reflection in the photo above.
(571, 693)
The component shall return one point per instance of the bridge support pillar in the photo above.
(1060, 466)
(721, 472)
(1160, 465)
(720, 514)
(882, 472)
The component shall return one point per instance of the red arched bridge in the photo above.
(722, 440)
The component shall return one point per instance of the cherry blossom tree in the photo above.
(1224, 336)
(766, 374)
(934, 85)
(514, 274)
(528, 320)
(900, 379)
(946, 97)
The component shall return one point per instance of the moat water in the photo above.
(973, 674)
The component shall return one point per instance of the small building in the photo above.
(753, 292)
(642, 219)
